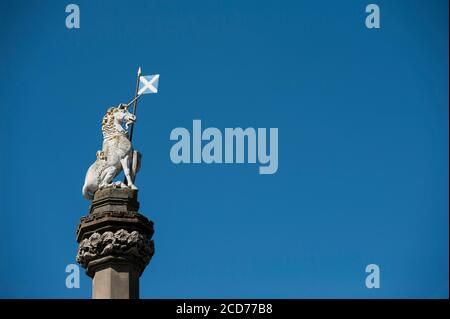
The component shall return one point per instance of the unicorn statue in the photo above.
(117, 154)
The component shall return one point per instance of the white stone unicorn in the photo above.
(117, 153)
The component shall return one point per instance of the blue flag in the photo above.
(148, 84)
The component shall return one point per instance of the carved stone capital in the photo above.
(120, 246)
(114, 232)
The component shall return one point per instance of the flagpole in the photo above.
(135, 102)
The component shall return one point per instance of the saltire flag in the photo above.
(148, 84)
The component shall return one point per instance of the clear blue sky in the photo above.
(363, 144)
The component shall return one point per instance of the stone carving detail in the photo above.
(117, 154)
(121, 243)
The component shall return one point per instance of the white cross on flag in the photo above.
(148, 84)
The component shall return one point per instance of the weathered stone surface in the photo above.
(116, 199)
(115, 243)
(116, 281)
(134, 247)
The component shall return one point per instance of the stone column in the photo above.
(115, 244)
